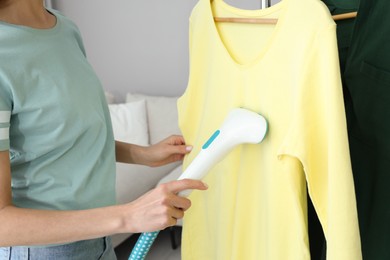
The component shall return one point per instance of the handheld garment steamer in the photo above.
(240, 126)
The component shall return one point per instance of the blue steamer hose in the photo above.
(143, 245)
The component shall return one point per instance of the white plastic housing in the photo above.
(240, 126)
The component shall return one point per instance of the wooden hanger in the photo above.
(274, 20)
(344, 16)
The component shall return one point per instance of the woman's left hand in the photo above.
(169, 150)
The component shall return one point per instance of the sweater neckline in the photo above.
(263, 50)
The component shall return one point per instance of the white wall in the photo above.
(138, 45)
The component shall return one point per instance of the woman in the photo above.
(57, 152)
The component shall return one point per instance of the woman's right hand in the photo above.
(160, 207)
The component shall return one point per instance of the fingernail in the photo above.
(188, 148)
(205, 184)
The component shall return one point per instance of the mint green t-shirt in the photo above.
(54, 120)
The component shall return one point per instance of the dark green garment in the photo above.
(364, 50)
(367, 100)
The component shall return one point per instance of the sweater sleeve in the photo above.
(319, 140)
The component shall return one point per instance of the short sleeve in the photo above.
(5, 117)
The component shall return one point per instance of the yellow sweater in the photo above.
(255, 207)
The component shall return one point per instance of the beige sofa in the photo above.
(144, 120)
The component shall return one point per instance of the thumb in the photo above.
(180, 149)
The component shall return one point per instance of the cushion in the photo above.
(129, 122)
(110, 98)
(161, 115)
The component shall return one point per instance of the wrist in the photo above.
(129, 220)
(129, 153)
(139, 155)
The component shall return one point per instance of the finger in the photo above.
(177, 140)
(173, 222)
(180, 202)
(180, 185)
(174, 140)
(177, 214)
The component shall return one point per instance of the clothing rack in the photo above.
(266, 4)
(274, 20)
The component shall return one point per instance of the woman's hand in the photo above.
(160, 207)
(169, 150)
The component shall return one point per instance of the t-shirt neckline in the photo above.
(36, 30)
